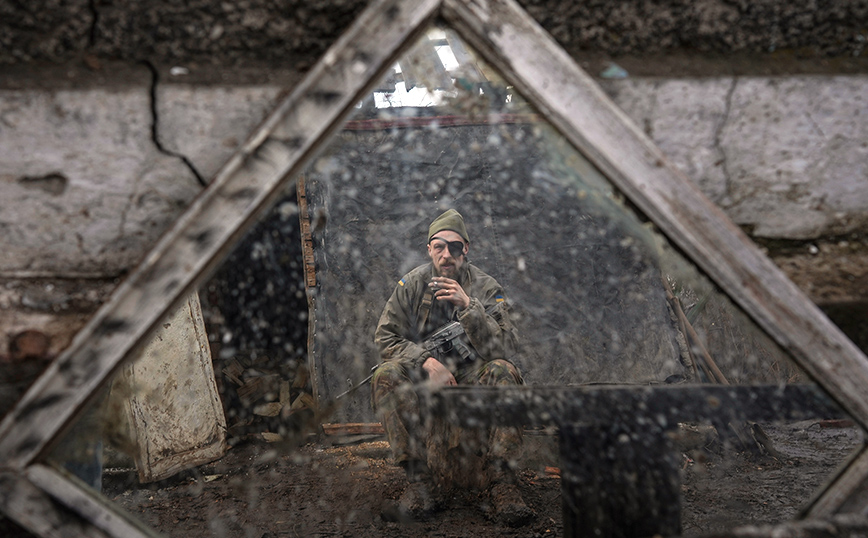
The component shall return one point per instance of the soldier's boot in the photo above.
(507, 505)
(419, 500)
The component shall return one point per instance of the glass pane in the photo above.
(597, 296)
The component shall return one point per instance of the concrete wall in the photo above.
(103, 144)
(785, 157)
(92, 175)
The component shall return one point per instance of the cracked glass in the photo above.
(638, 387)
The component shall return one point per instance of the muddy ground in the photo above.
(258, 490)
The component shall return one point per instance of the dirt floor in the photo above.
(318, 490)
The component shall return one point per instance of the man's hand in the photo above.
(437, 373)
(446, 289)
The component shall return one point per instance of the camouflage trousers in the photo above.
(452, 454)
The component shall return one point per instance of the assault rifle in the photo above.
(448, 338)
(359, 384)
(442, 342)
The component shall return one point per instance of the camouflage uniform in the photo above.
(488, 327)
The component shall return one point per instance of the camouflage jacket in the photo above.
(486, 321)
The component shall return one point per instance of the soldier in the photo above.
(446, 289)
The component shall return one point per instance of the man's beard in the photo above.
(450, 272)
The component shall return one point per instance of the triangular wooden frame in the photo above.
(49, 503)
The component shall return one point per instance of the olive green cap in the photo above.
(450, 220)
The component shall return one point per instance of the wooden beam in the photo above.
(95, 510)
(244, 188)
(34, 509)
(354, 428)
(255, 176)
(665, 404)
(578, 108)
(620, 472)
(575, 105)
(847, 491)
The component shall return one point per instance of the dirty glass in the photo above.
(279, 343)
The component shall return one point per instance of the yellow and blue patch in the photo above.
(498, 298)
(401, 282)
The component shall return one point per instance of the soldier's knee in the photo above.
(387, 378)
(390, 372)
(501, 372)
(500, 364)
(391, 387)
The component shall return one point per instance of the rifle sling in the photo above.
(427, 300)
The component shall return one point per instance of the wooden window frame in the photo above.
(50, 503)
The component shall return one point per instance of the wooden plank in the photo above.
(233, 371)
(302, 376)
(601, 131)
(310, 289)
(311, 373)
(100, 514)
(303, 401)
(846, 492)
(669, 404)
(251, 180)
(31, 507)
(611, 488)
(284, 394)
(577, 107)
(306, 237)
(354, 428)
(845, 525)
(268, 409)
(255, 388)
(570, 100)
(241, 191)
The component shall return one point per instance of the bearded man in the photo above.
(448, 288)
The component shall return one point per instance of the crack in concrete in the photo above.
(814, 123)
(94, 12)
(155, 126)
(726, 201)
(79, 241)
(126, 209)
(653, 106)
